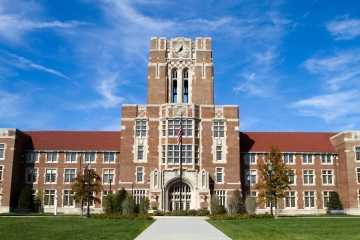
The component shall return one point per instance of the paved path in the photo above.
(187, 228)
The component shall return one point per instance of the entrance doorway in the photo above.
(174, 197)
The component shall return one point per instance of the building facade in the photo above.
(144, 157)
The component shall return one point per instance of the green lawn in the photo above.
(291, 228)
(65, 227)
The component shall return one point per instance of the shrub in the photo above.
(122, 216)
(233, 205)
(203, 212)
(109, 203)
(119, 198)
(158, 213)
(250, 204)
(144, 205)
(192, 212)
(334, 202)
(214, 204)
(128, 205)
(239, 216)
(26, 199)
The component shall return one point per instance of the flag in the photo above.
(180, 133)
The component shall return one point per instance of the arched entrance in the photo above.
(174, 197)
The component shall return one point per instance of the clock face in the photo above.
(180, 48)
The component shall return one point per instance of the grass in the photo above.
(291, 228)
(70, 227)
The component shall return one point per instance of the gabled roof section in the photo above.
(286, 141)
(74, 140)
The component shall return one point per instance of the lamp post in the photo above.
(270, 170)
(88, 196)
(110, 180)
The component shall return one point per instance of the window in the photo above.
(326, 159)
(50, 176)
(2, 151)
(358, 174)
(69, 175)
(221, 194)
(89, 157)
(139, 174)
(173, 127)
(309, 199)
(138, 194)
(173, 153)
(326, 195)
(250, 177)
(290, 200)
(307, 159)
(186, 85)
(67, 198)
(104, 194)
(140, 153)
(218, 153)
(109, 157)
(31, 175)
(70, 157)
(51, 157)
(219, 129)
(357, 153)
(250, 158)
(308, 177)
(327, 177)
(140, 128)
(292, 177)
(1, 172)
(33, 157)
(49, 197)
(289, 158)
(253, 194)
(107, 175)
(174, 85)
(219, 175)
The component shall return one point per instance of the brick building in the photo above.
(144, 157)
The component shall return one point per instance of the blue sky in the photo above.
(289, 65)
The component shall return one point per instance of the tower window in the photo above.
(174, 91)
(186, 85)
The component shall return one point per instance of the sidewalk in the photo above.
(187, 228)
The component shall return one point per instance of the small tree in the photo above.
(280, 177)
(26, 199)
(334, 202)
(250, 204)
(109, 203)
(119, 198)
(128, 205)
(39, 199)
(215, 205)
(80, 187)
(144, 205)
(236, 203)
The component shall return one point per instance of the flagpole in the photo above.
(180, 159)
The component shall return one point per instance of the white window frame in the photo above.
(219, 171)
(250, 177)
(107, 157)
(291, 197)
(70, 157)
(221, 194)
(293, 172)
(172, 127)
(309, 174)
(325, 176)
(140, 153)
(357, 170)
(250, 158)
(289, 158)
(327, 157)
(2, 172)
(51, 194)
(307, 159)
(108, 173)
(68, 194)
(173, 153)
(90, 157)
(309, 196)
(2, 151)
(138, 194)
(52, 158)
(70, 175)
(51, 173)
(219, 153)
(326, 197)
(140, 170)
(357, 153)
(33, 157)
(32, 172)
(140, 128)
(219, 128)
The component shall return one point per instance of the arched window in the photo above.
(186, 85)
(174, 85)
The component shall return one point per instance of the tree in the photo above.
(334, 202)
(39, 199)
(144, 205)
(128, 205)
(109, 203)
(214, 204)
(250, 204)
(26, 199)
(119, 199)
(80, 188)
(280, 177)
(236, 203)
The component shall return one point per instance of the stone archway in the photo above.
(174, 197)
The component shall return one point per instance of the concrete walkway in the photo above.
(181, 228)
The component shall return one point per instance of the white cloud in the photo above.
(345, 28)
(330, 107)
(25, 64)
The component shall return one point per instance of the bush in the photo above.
(128, 205)
(214, 204)
(192, 212)
(109, 203)
(334, 202)
(250, 204)
(26, 199)
(122, 216)
(144, 205)
(203, 212)
(119, 198)
(239, 216)
(158, 213)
